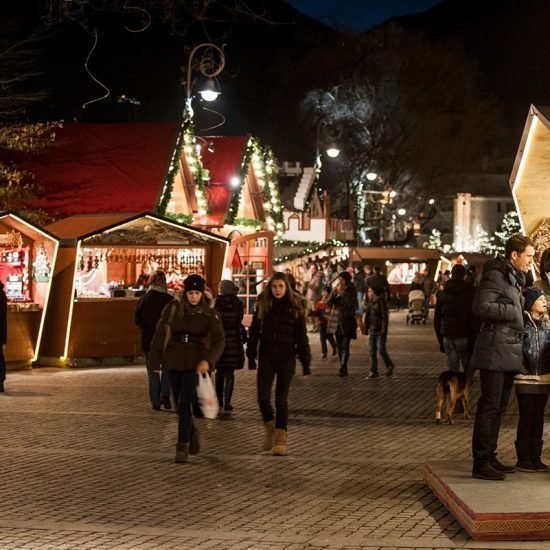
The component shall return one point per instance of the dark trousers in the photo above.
(377, 345)
(159, 384)
(268, 368)
(184, 387)
(342, 343)
(531, 415)
(324, 336)
(225, 382)
(495, 393)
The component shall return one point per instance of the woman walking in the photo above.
(544, 269)
(179, 344)
(231, 311)
(344, 303)
(279, 327)
(532, 388)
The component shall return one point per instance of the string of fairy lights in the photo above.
(186, 144)
(311, 248)
(263, 162)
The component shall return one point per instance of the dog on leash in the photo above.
(451, 387)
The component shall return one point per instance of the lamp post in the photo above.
(209, 65)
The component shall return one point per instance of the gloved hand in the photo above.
(252, 364)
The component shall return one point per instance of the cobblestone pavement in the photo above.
(87, 464)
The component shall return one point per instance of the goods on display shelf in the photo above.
(102, 270)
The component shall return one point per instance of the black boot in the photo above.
(500, 467)
(182, 453)
(343, 371)
(484, 470)
(1, 387)
(195, 443)
(524, 454)
(536, 451)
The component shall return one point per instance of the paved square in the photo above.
(87, 464)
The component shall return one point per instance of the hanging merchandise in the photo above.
(41, 266)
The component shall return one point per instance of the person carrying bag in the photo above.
(188, 341)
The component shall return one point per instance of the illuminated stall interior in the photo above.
(27, 258)
(530, 178)
(105, 265)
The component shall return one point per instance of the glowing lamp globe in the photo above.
(371, 176)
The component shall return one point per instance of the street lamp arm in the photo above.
(210, 65)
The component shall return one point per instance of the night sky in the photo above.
(359, 15)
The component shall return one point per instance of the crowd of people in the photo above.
(496, 322)
(195, 334)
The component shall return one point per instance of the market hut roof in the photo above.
(128, 229)
(530, 178)
(223, 159)
(103, 168)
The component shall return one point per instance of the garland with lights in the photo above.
(310, 249)
(263, 161)
(247, 222)
(186, 143)
(186, 219)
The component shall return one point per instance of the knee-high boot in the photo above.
(536, 451)
(525, 461)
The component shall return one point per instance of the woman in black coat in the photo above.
(344, 302)
(231, 310)
(279, 327)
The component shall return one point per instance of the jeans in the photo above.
(343, 343)
(458, 351)
(159, 384)
(225, 382)
(377, 344)
(324, 336)
(268, 368)
(531, 415)
(360, 298)
(495, 393)
(184, 384)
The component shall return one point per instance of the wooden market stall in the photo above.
(97, 283)
(530, 178)
(399, 265)
(27, 257)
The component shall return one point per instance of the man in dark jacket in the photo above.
(379, 280)
(498, 352)
(454, 320)
(147, 314)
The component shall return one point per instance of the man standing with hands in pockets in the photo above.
(498, 352)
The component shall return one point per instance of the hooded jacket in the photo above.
(498, 304)
(231, 310)
(453, 316)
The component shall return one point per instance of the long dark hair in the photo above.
(265, 298)
(545, 263)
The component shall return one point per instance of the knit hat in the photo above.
(194, 282)
(346, 275)
(531, 295)
(227, 287)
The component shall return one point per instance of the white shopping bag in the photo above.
(206, 396)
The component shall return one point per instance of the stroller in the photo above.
(416, 307)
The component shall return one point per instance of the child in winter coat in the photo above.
(376, 326)
(322, 312)
(532, 388)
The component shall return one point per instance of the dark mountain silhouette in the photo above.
(509, 41)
